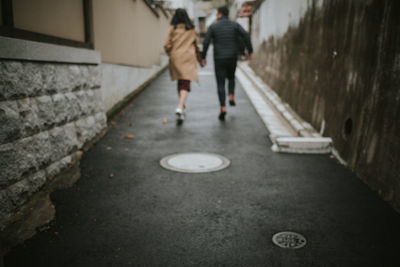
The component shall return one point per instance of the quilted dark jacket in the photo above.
(225, 34)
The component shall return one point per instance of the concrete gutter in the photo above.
(288, 131)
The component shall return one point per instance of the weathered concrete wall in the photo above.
(274, 17)
(339, 68)
(119, 81)
(47, 113)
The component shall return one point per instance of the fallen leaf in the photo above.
(126, 149)
(111, 175)
(56, 233)
(94, 220)
(165, 120)
(113, 122)
(108, 148)
(131, 124)
(332, 156)
(129, 136)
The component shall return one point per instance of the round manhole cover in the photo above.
(195, 162)
(289, 240)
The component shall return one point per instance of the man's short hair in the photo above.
(223, 10)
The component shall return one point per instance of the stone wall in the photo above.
(48, 112)
(339, 68)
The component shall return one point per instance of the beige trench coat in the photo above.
(181, 47)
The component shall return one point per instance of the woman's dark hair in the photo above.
(181, 17)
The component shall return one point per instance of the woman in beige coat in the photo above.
(182, 48)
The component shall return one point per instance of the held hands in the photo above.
(203, 63)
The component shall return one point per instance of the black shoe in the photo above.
(232, 102)
(221, 116)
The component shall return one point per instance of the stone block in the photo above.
(10, 122)
(71, 139)
(61, 109)
(19, 80)
(84, 79)
(9, 80)
(58, 166)
(56, 138)
(73, 103)
(27, 153)
(15, 192)
(30, 78)
(85, 129)
(9, 169)
(48, 78)
(83, 102)
(78, 77)
(91, 101)
(28, 111)
(17, 159)
(63, 141)
(63, 80)
(36, 181)
(101, 122)
(20, 192)
(45, 111)
(42, 146)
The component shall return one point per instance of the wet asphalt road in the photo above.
(148, 216)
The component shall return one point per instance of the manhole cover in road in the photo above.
(289, 240)
(195, 162)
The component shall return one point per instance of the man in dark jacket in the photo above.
(225, 35)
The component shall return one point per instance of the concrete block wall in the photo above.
(48, 111)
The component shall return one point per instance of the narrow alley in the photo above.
(127, 210)
(286, 152)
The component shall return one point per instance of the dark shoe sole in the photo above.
(232, 102)
(221, 116)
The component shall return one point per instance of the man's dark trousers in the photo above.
(225, 69)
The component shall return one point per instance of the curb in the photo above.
(289, 133)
